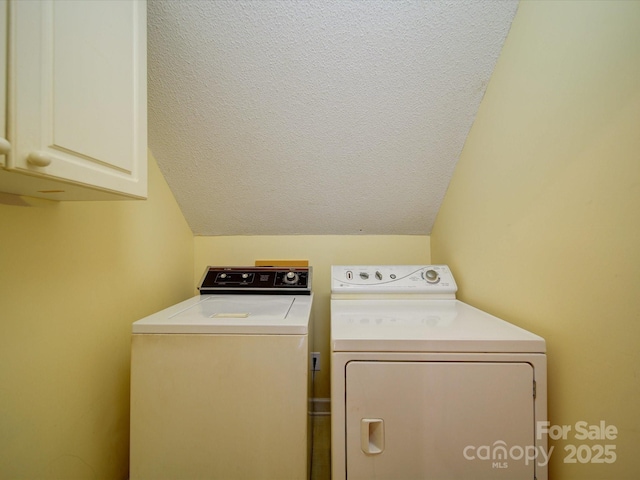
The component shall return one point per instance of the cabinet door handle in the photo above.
(39, 159)
(5, 146)
(372, 436)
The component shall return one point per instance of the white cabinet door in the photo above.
(77, 93)
(4, 144)
(439, 420)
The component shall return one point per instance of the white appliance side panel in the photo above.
(422, 416)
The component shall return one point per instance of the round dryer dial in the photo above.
(431, 276)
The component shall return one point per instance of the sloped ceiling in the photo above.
(316, 117)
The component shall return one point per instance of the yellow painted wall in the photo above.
(541, 222)
(322, 252)
(73, 277)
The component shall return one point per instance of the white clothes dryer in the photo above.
(220, 383)
(426, 386)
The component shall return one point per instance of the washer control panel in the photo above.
(435, 280)
(256, 280)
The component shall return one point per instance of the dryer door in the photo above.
(444, 420)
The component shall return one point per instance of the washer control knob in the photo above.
(378, 275)
(364, 275)
(223, 275)
(291, 277)
(245, 275)
(431, 276)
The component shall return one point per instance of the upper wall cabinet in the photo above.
(76, 120)
(5, 146)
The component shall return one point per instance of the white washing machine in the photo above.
(425, 386)
(220, 382)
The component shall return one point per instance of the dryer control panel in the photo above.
(430, 280)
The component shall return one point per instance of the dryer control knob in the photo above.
(364, 275)
(431, 276)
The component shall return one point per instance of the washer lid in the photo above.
(232, 314)
(424, 326)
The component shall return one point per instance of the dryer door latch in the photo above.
(372, 436)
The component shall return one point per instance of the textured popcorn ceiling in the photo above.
(316, 117)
